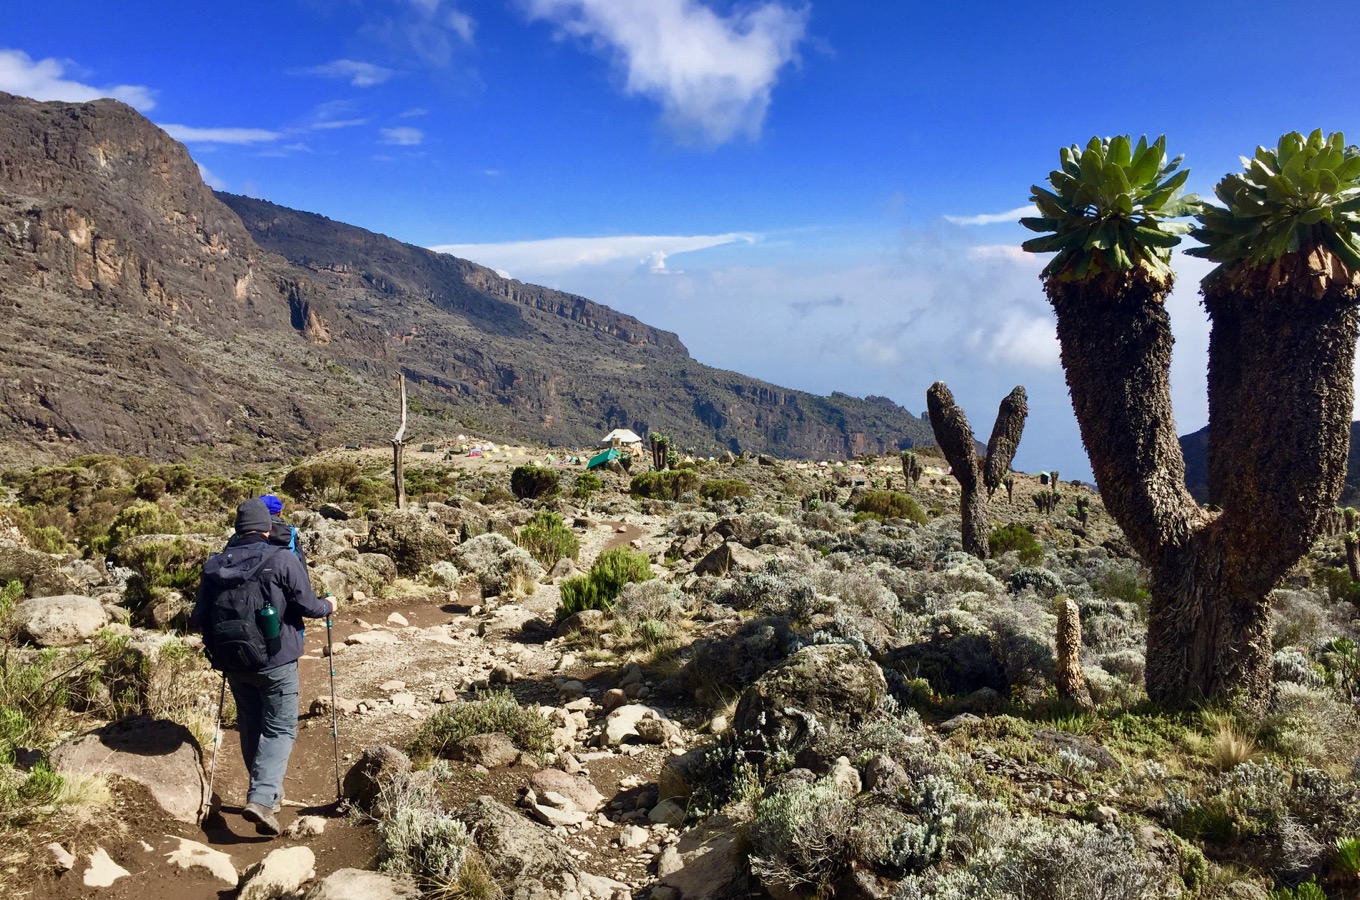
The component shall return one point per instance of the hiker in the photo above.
(280, 532)
(250, 606)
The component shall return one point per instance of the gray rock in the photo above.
(622, 724)
(587, 621)
(517, 851)
(410, 538)
(949, 726)
(729, 557)
(667, 812)
(59, 621)
(444, 574)
(359, 884)
(306, 826)
(39, 573)
(377, 763)
(159, 754)
(278, 875)
(631, 836)
(579, 790)
(714, 865)
(494, 751)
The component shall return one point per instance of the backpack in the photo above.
(232, 636)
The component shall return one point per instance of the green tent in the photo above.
(600, 459)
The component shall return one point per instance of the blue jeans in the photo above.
(267, 718)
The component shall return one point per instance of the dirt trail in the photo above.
(438, 646)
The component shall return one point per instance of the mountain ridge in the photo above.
(148, 314)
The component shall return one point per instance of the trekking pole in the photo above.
(217, 739)
(335, 715)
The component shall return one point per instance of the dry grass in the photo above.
(1228, 744)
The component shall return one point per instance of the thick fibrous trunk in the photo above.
(955, 437)
(1001, 446)
(1280, 401)
(1071, 681)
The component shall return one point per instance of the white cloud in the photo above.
(712, 74)
(1024, 337)
(356, 72)
(210, 179)
(44, 79)
(1010, 252)
(402, 137)
(331, 124)
(191, 135)
(1010, 215)
(556, 255)
(432, 30)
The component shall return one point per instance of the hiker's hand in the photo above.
(330, 598)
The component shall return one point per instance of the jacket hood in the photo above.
(235, 564)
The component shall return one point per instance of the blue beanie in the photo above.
(273, 504)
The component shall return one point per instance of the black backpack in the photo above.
(231, 636)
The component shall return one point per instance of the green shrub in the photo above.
(613, 569)
(889, 505)
(1309, 890)
(532, 482)
(496, 494)
(668, 485)
(548, 538)
(137, 519)
(724, 489)
(326, 480)
(587, 483)
(492, 712)
(1348, 856)
(1017, 538)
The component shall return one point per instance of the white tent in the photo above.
(621, 437)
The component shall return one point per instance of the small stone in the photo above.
(631, 836)
(306, 826)
(403, 700)
(388, 687)
(845, 777)
(279, 874)
(571, 689)
(668, 862)
(61, 857)
(613, 699)
(718, 724)
(502, 674)
(961, 720)
(447, 695)
(398, 620)
(668, 812)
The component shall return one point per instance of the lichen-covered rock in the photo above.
(362, 781)
(59, 621)
(157, 753)
(409, 537)
(39, 573)
(518, 852)
(816, 689)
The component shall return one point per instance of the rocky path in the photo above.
(395, 663)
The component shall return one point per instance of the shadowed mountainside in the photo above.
(144, 313)
(1195, 447)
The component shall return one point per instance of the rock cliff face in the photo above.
(143, 313)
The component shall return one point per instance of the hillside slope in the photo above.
(143, 313)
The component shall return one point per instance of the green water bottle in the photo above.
(268, 620)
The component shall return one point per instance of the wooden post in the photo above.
(399, 447)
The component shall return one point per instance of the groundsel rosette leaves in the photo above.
(1110, 210)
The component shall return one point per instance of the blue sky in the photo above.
(822, 194)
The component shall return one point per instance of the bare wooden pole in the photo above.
(399, 447)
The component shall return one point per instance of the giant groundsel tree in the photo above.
(1282, 303)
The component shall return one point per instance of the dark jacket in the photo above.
(286, 585)
(281, 534)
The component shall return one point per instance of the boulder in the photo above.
(518, 852)
(818, 688)
(410, 538)
(280, 874)
(494, 751)
(359, 884)
(40, 573)
(713, 864)
(156, 753)
(622, 725)
(376, 765)
(729, 557)
(575, 788)
(59, 621)
(587, 621)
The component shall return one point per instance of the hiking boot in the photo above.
(263, 817)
